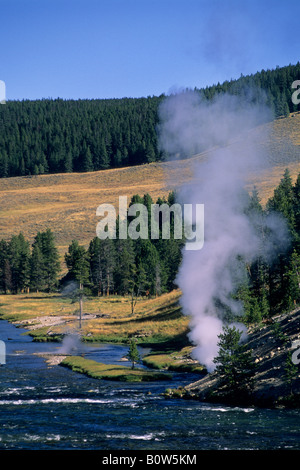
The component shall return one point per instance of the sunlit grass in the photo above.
(105, 318)
(67, 203)
(158, 323)
(102, 371)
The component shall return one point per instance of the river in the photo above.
(46, 407)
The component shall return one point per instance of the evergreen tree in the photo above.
(292, 293)
(40, 136)
(102, 265)
(234, 363)
(77, 261)
(297, 212)
(19, 258)
(37, 269)
(49, 265)
(4, 170)
(138, 285)
(150, 153)
(5, 268)
(158, 288)
(22, 167)
(96, 265)
(290, 372)
(147, 259)
(254, 314)
(103, 157)
(170, 254)
(254, 209)
(125, 267)
(68, 163)
(7, 277)
(87, 163)
(283, 199)
(133, 353)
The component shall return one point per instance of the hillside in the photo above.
(270, 346)
(67, 202)
(51, 136)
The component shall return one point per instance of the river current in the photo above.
(46, 407)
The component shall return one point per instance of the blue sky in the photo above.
(133, 48)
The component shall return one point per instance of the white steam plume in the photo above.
(70, 343)
(209, 276)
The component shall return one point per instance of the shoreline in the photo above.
(270, 346)
(269, 349)
(157, 324)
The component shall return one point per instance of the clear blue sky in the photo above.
(133, 48)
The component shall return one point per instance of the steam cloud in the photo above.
(71, 342)
(69, 289)
(208, 277)
(72, 339)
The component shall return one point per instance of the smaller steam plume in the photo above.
(208, 278)
(72, 339)
(69, 289)
(70, 344)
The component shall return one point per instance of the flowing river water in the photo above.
(52, 408)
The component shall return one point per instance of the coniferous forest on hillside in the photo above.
(62, 136)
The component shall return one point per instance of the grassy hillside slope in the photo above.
(67, 203)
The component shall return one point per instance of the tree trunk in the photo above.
(80, 304)
(107, 287)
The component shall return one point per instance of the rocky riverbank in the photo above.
(270, 345)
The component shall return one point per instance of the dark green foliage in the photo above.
(138, 285)
(102, 265)
(284, 272)
(278, 334)
(45, 265)
(272, 86)
(133, 354)
(234, 363)
(5, 268)
(135, 267)
(290, 372)
(19, 260)
(297, 203)
(51, 136)
(22, 269)
(283, 200)
(148, 267)
(77, 261)
(274, 284)
(37, 275)
(125, 267)
(110, 266)
(293, 280)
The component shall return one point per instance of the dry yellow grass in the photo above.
(67, 203)
(43, 314)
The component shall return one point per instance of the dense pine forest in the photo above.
(146, 267)
(110, 266)
(58, 136)
(273, 286)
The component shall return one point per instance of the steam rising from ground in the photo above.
(70, 344)
(72, 339)
(208, 277)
